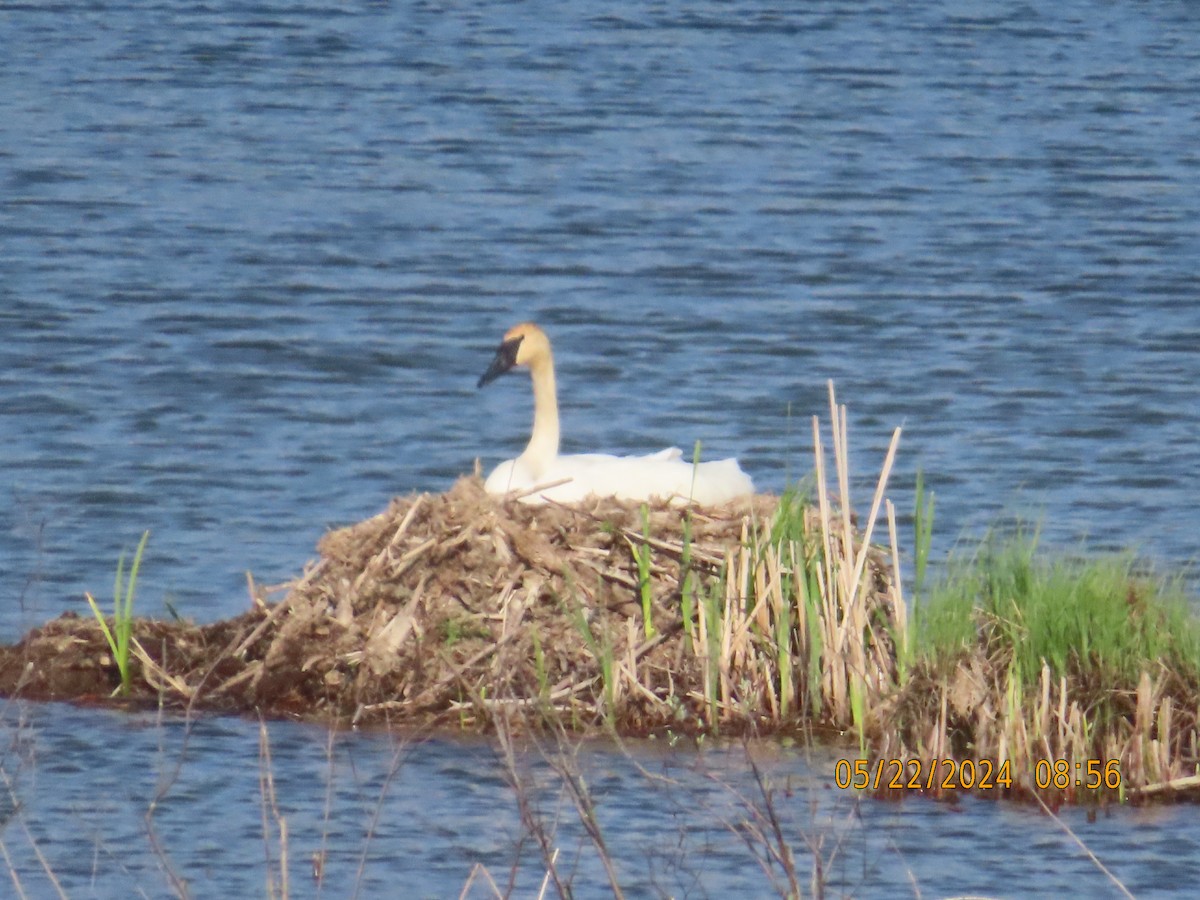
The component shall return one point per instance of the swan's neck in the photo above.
(543, 442)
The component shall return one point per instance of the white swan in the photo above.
(568, 479)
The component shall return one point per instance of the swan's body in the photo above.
(540, 473)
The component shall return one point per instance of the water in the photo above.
(254, 256)
(391, 818)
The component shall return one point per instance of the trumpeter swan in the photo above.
(540, 474)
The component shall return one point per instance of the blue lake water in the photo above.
(253, 257)
(391, 817)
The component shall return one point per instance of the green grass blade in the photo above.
(108, 635)
(643, 564)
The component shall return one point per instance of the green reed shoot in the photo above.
(713, 613)
(808, 597)
(858, 712)
(120, 636)
(923, 508)
(783, 657)
(602, 652)
(799, 620)
(642, 556)
(687, 589)
(1014, 699)
(539, 663)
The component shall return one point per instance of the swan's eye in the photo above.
(506, 358)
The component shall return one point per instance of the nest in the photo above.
(435, 611)
(446, 603)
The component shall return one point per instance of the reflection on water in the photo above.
(255, 255)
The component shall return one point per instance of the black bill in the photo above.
(506, 358)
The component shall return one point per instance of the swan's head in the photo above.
(523, 345)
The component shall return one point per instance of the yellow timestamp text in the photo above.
(1089, 774)
(922, 774)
